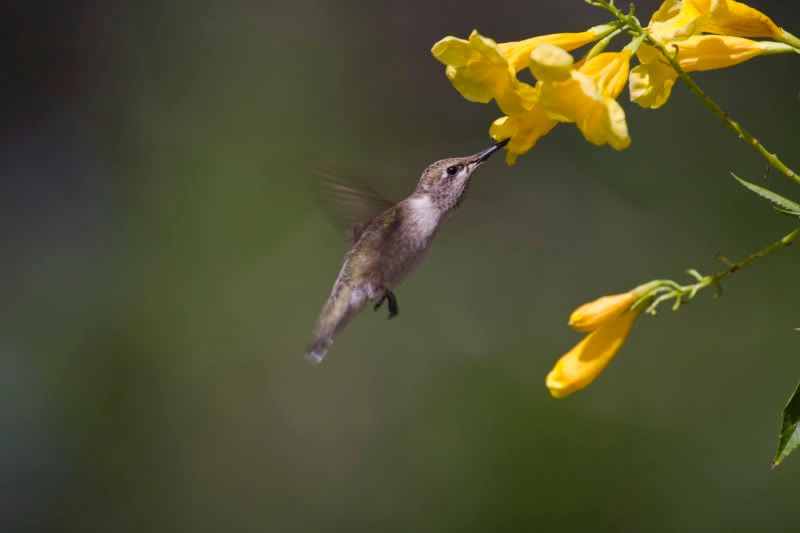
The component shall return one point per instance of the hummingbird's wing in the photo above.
(351, 203)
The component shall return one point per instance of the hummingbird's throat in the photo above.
(424, 213)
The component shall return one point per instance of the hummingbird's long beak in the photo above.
(480, 157)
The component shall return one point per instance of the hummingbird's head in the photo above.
(446, 181)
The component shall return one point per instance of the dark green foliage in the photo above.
(789, 438)
(782, 204)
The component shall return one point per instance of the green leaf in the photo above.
(782, 204)
(789, 438)
(789, 212)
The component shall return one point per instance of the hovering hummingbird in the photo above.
(388, 247)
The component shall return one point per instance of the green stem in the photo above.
(635, 27)
(669, 290)
(731, 124)
(789, 39)
(764, 252)
(602, 44)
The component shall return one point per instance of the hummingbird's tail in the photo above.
(316, 352)
(343, 303)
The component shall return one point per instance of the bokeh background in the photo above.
(164, 259)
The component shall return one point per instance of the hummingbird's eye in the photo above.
(452, 171)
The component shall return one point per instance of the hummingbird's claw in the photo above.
(393, 310)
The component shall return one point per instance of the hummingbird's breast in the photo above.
(398, 240)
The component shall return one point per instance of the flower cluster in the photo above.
(705, 35)
(483, 70)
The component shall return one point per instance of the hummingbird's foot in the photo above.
(393, 310)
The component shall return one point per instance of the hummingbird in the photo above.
(387, 247)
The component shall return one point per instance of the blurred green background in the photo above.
(164, 260)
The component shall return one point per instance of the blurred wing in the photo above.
(350, 202)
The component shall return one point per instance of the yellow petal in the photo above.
(472, 87)
(583, 363)
(518, 52)
(453, 51)
(524, 131)
(651, 84)
(608, 71)
(606, 125)
(666, 11)
(739, 20)
(515, 98)
(709, 52)
(551, 63)
(592, 315)
(677, 20)
(487, 48)
(649, 54)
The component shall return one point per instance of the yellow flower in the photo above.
(609, 319)
(583, 363)
(651, 81)
(710, 52)
(478, 69)
(585, 95)
(592, 315)
(482, 70)
(677, 19)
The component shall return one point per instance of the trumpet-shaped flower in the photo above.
(585, 95)
(710, 52)
(651, 81)
(678, 19)
(609, 319)
(583, 363)
(482, 70)
(479, 70)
